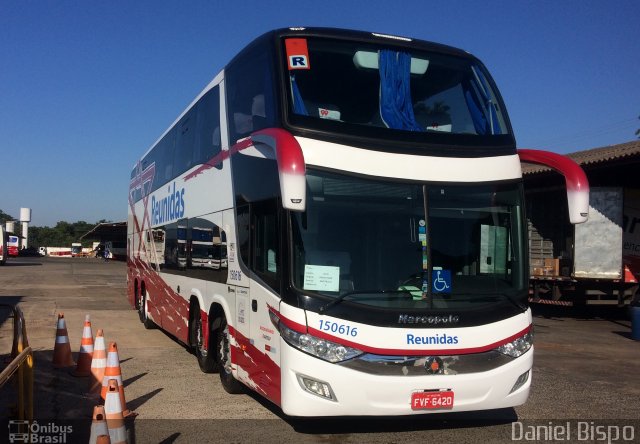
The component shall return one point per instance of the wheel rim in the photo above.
(224, 351)
(142, 307)
(202, 350)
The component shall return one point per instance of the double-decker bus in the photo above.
(369, 191)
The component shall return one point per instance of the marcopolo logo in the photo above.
(169, 207)
(429, 320)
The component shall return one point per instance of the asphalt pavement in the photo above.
(586, 376)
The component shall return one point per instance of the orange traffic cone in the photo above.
(85, 355)
(98, 425)
(112, 371)
(98, 364)
(62, 349)
(113, 411)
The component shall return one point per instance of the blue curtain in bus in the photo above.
(396, 108)
(477, 116)
(485, 121)
(298, 103)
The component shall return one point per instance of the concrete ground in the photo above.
(586, 373)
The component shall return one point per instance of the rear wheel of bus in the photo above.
(223, 347)
(142, 309)
(205, 354)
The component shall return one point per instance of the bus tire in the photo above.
(142, 310)
(206, 355)
(223, 347)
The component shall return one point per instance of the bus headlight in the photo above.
(320, 348)
(518, 347)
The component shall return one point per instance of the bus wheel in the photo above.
(229, 382)
(206, 359)
(142, 310)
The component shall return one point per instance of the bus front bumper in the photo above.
(359, 393)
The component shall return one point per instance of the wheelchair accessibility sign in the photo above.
(441, 281)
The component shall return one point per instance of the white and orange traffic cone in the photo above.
(112, 371)
(85, 355)
(98, 424)
(113, 413)
(62, 349)
(98, 365)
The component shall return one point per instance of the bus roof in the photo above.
(270, 37)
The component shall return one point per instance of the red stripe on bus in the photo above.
(260, 368)
(392, 351)
(288, 152)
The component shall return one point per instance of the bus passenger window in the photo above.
(242, 123)
(183, 155)
(250, 94)
(208, 140)
(265, 245)
(242, 221)
(258, 112)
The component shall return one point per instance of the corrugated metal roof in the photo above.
(106, 228)
(593, 156)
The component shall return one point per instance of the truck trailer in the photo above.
(594, 262)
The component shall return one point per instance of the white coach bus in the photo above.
(369, 192)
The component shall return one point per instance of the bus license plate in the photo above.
(431, 400)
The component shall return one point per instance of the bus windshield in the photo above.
(342, 82)
(409, 245)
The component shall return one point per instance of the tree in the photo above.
(638, 130)
(4, 217)
(62, 235)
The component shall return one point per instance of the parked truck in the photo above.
(594, 262)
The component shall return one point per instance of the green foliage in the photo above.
(4, 217)
(62, 235)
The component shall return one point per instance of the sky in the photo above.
(86, 87)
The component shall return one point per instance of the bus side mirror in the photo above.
(291, 166)
(575, 178)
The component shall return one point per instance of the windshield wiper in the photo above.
(510, 298)
(513, 300)
(351, 293)
(488, 297)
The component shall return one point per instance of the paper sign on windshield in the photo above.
(321, 278)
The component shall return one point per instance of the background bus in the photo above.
(208, 248)
(13, 245)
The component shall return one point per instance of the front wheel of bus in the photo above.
(142, 310)
(205, 354)
(223, 346)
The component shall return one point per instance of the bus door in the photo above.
(264, 292)
(239, 304)
(265, 341)
(258, 246)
